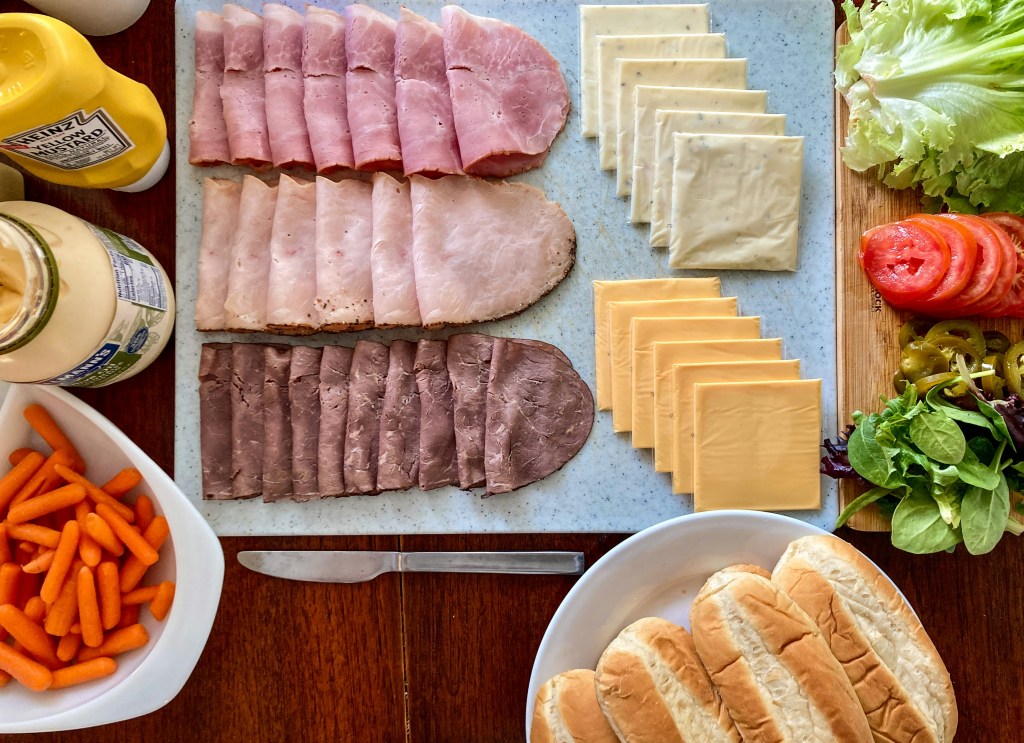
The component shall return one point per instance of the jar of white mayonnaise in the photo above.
(80, 306)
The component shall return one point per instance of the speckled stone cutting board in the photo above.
(609, 486)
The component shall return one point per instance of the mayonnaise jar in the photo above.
(80, 306)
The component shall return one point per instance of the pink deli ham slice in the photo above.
(207, 133)
(344, 237)
(398, 462)
(221, 199)
(393, 276)
(282, 66)
(509, 98)
(324, 103)
(292, 286)
(370, 88)
(335, 363)
(485, 250)
(425, 123)
(242, 90)
(366, 387)
(245, 308)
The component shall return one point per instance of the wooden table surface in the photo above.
(435, 658)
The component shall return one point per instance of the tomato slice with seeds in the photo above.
(993, 269)
(1013, 226)
(963, 250)
(903, 260)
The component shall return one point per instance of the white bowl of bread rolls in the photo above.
(737, 626)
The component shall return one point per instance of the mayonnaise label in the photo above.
(77, 141)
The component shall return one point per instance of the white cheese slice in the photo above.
(683, 73)
(606, 292)
(735, 201)
(611, 48)
(603, 20)
(758, 445)
(667, 123)
(651, 98)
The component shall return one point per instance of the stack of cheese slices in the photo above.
(693, 381)
(703, 163)
(822, 650)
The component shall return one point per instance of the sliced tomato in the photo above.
(993, 270)
(963, 251)
(903, 260)
(1013, 226)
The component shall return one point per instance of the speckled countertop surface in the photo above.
(608, 486)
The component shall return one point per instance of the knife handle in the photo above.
(554, 563)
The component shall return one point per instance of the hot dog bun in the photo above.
(896, 671)
(773, 669)
(652, 687)
(567, 710)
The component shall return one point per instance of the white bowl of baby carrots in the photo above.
(109, 577)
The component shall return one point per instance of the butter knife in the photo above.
(326, 566)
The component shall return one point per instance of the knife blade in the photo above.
(337, 566)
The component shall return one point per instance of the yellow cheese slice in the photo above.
(685, 377)
(646, 331)
(684, 73)
(757, 445)
(598, 20)
(631, 290)
(694, 352)
(611, 48)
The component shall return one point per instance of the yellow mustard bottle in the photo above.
(68, 118)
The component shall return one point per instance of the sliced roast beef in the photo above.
(247, 379)
(215, 419)
(242, 91)
(398, 461)
(207, 133)
(292, 287)
(370, 88)
(438, 465)
(392, 274)
(344, 239)
(366, 386)
(304, 403)
(277, 424)
(469, 366)
(221, 199)
(245, 308)
(335, 363)
(539, 414)
(324, 102)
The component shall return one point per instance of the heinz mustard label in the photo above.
(77, 141)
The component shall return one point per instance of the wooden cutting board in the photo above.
(866, 327)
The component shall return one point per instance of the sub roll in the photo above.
(566, 711)
(773, 669)
(903, 685)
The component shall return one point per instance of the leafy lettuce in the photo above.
(936, 96)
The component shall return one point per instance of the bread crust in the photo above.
(566, 709)
(773, 668)
(897, 673)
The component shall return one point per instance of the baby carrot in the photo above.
(5, 546)
(79, 673)
(96, 495)
(100, 531)
(128, 534)
(143, 512)
(122, 482)
(18, 455)
(47, 428)
(68, 647)
(58, 571)
(45, 479)
(49, 502)
(35, 609)
(34, 533)
(132, 571)
(161, 603)
(26, 631)
(129, 615)
(28, 589)
(89, 609)
(64, 610)
(10, 572)
(29, 673)
(139, 595)
(88, 549)
(40, 563)
(110, 594)
(16, 479)
(117, 642)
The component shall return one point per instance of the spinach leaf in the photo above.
(948, 501)
(917, 526)
(973, 472)
(939, 437)
(971, 417)
(860, 502)
(887, 506)
(984, 515)
(867, 457)
(1001, 432)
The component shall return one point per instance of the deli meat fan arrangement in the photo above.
(302, 422)
(361, 90)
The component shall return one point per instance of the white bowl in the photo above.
(656, 572)
(150, 677)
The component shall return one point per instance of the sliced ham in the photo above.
(469, 366)
(335, 363)
(392, 274)
(245, 308)
(509, 98)
(370, 88)
(242, 91)
(485, 250)
(247, 379)
(277, 424)
(292, 288)
(425, 124)
(221, 199)
(344, 238)
(437, 430)
(282, 38)
(304, 402)
(366, 387)
(539, 414)
(207, 133)
(215, 419)
(324, 102)
(282, 67)
(398, 460)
